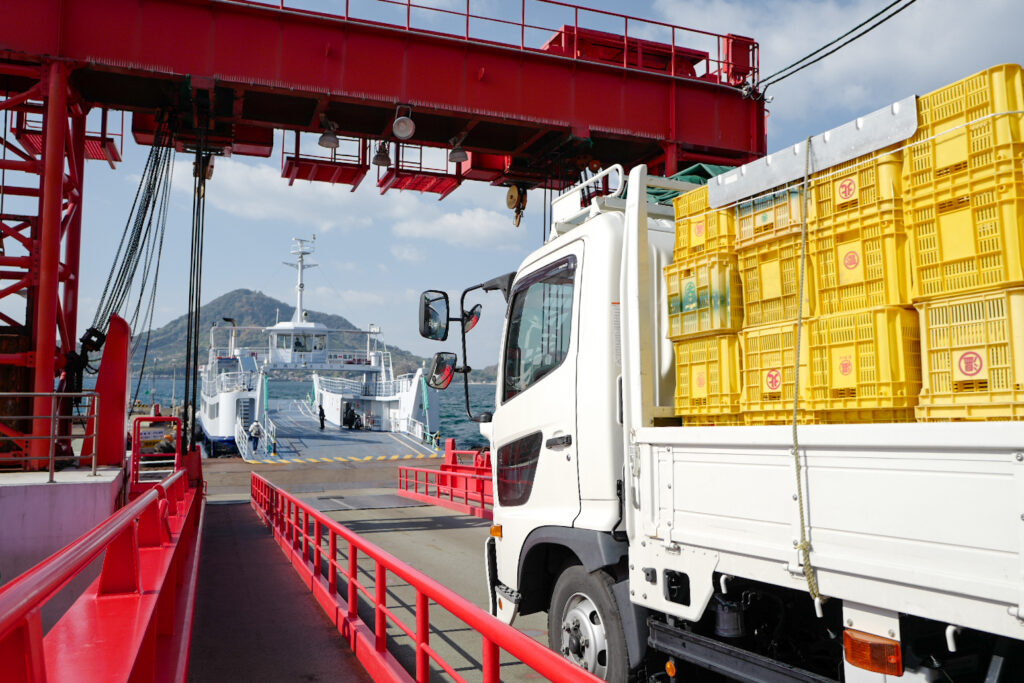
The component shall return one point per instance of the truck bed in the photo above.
(924, 519)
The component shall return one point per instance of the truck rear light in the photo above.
(873, 653)
(496, 531)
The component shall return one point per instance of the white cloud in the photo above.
(475, 227)
(256, 191)
(406, 252)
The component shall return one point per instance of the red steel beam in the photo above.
(306, 55)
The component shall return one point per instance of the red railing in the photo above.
(313, 543)
(134, 622)
(563, 29)
(465, 488)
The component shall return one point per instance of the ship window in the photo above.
(284, 341)
(301, 343)
(540, 326)
(319, 342)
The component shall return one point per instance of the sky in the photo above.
(376, 253)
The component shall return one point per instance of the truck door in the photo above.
(534, 424)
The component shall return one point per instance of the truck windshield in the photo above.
(540, 325)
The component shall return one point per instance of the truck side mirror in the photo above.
(471, 317)
(434, 315)
(442, 370)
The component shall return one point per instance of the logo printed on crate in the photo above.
(849, 254)
(690, 300)
(700, 383)
(846, 189)
(697, 234)
(845, 366)
(970, 363)
(773, 380)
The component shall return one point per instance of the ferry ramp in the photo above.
(300, 440)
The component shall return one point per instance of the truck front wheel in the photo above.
(584, 625)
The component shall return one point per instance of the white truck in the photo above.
(672, 551)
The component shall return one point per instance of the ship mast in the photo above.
(300, 250)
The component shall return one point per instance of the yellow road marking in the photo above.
(341, 459)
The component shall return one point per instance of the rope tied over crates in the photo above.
(803, 546)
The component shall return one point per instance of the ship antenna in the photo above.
(300, 250)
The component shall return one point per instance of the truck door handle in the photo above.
(559, 441)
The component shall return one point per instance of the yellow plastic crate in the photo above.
(770, 216)
(707, 376)
(878, 416)
(964, 186)
(730, 420)
(780, 417)
(960, 125)
(768, 369)
(700, 230)
(828, 417)
(770, 277)
(863, 187)
(866, 360)
(973, 352)
(969, 235)
(704, 296)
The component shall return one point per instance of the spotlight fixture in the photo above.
(328, 139)
(382, 157)
(458, 155)
(403, 127)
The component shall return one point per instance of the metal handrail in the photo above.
(468, 19)
(466, 489)
(291, 520)
(25, 593)
(54, 419)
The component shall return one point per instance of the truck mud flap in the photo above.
(725, 659)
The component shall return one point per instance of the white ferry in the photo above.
(356, 388)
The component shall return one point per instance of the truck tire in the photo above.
(584, 625)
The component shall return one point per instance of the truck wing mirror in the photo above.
(471, 317)
(434, 315)
(442, 370)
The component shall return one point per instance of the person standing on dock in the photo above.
(255, 431)
(323, 416)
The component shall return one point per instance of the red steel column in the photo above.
(55, 126)
(73, 240)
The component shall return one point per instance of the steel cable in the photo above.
(802, 63)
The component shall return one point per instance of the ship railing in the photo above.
(243, 440)
(350, 576)
(268, 437)
(236, 381)
(138, 612)
(349, 358)
(71, 419)
(340, 385)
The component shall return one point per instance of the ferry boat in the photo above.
(357, 389)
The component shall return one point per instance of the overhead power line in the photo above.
(878, 18)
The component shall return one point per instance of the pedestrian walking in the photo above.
(255, 431)
(323, 416)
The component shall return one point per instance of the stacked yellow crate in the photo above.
(705, 312)
(864, 342)
(768, 247)
(963, 178)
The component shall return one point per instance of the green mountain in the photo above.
(249, 309)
